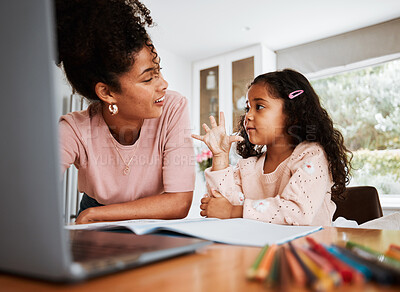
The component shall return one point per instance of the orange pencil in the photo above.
(393, 253)
(273, 277)
(266, 262)
(297, 272)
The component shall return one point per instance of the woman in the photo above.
(132, 145)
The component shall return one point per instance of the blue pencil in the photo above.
(379, 274)
(351, 262)
(392, 276)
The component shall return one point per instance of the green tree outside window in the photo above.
(365, 106)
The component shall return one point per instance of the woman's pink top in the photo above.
(298, 192)
(163, 156)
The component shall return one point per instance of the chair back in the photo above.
(361, 204)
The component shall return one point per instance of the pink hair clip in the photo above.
(295, 93)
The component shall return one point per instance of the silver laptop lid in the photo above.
(30, 203)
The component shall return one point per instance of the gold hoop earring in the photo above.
(113, 108)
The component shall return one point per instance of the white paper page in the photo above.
(241, 231)
(230, 231)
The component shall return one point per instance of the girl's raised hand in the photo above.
(216, 138)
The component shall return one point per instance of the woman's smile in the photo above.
(160, 101)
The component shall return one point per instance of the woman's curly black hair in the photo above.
(306, 120)
(97, 41)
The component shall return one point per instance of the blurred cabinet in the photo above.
(209, 95)
(242, 76)
(220, 84)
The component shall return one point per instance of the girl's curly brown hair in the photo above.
(306, 120)
(98, 39)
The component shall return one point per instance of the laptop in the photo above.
(33, 239)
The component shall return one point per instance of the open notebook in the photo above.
(230, 231)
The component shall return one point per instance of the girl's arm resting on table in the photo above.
(217, 206)
(237, 211)
(162, 206)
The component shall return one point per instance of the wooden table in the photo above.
(217, 267)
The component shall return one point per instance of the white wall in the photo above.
(177, 71)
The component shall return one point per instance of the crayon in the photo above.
(252, 271)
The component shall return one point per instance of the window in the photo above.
(365, 106)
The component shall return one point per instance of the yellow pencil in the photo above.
(324, 282)
(325, 265)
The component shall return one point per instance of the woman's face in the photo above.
(142, 89)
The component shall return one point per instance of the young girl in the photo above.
(305, 163)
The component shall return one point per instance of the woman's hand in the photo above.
(85, 217)
(216, 206)
(216, 138)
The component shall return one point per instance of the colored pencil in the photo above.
(323, 282)
(393, 274)
(272, 278)
(311, 278)
(266, 263)
(297, 272)
(359, 267)
(393, 254)
(285, 278)
(379, 256)
(252, 271)
(394, 246)
(344, 270)
(379, 274)
(324, 265)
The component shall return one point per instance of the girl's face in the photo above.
(264, 121)
(142, 89)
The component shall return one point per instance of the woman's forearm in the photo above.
(163, 206)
